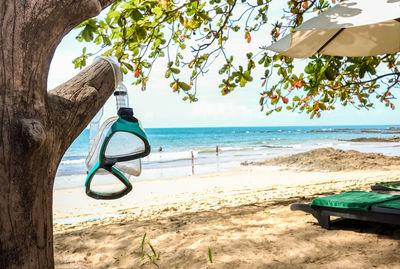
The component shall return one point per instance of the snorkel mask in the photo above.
(119, 144)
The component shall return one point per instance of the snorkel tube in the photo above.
(120, 157)
(118, 76)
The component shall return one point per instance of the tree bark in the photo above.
(36, 126)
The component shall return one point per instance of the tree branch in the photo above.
(361, 82)
(74, 103)
(30, 33)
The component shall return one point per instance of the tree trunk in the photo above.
(36, 126)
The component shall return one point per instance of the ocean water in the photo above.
(236, 144)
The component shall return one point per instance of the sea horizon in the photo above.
(266, 126)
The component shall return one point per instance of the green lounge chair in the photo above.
(387, 187)
(359, 205)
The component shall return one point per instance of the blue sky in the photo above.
(158, 106)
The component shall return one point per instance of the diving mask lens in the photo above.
(129, 168)
(123, 144)
(106, 183)
(95, 151)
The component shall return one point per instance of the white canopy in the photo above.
(352, 28)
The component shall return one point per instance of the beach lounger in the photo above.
(358, 205)
(387, 187)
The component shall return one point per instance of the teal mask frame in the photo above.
(125, 123)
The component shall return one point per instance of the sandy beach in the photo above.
(242, 216)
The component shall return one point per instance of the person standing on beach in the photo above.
(191, 152)
(216, 150)
(160, 156)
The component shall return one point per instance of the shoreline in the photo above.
(232, 159)
(175, 190)
(78, 180)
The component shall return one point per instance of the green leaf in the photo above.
(130, 67)
(371, 70)
(146, 64)
(175, 70)
(158, 12)
(309, 68)
(142, 246)
(363, 69)
(247, 76)
(183, 86)
(87, 35)
(152, 250)
(330, 74)
(114, 14)
(243, 81)
(157, 43)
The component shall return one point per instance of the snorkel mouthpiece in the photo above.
(125, 111)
